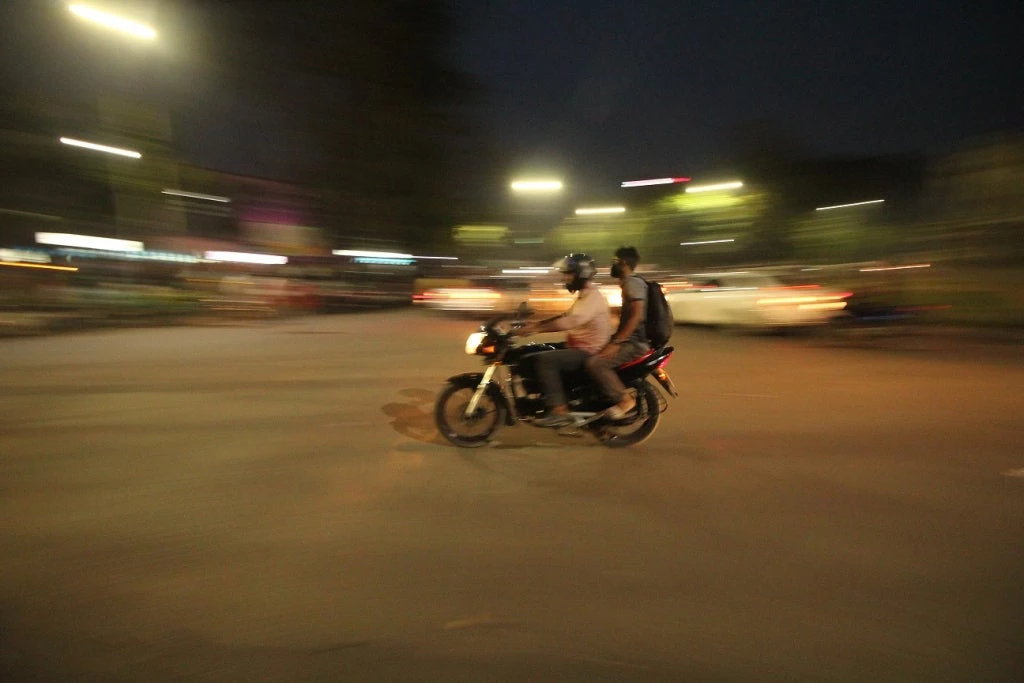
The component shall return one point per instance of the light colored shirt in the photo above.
(588, 320)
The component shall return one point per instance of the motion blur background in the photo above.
(261, 159)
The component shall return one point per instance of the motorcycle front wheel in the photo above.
(637, 430)
(467, 431)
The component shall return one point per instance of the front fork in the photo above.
(480, 389)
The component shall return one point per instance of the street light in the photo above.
(654, 181)
(132, 28)
(536, 185)
(102, 148)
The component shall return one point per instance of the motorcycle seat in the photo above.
(636, 361)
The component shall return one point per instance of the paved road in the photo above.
(272, 503)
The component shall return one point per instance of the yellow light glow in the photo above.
(536, 185)
(134, 28)
(102, 148)
(834, 306)
(715, 187)
(38, 265)
(600, 210)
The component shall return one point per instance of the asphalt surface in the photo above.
(272, 503)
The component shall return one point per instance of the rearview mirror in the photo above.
(524, 310)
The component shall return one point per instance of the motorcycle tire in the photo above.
(632, 432)
(472, 431)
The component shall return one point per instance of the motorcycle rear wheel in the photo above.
(638, 430)
(467, 431)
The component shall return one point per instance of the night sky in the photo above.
(611, 90)
(600, 91)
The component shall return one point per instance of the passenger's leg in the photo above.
(603, 372)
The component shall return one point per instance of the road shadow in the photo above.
(414, 418)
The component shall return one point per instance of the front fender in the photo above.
(472, 380)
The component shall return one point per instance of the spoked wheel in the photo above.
(631, 432)
(467, 431)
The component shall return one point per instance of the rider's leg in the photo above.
(550, 366)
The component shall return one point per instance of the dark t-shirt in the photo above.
(635, 289)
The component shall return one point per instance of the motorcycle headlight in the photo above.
(473, 342)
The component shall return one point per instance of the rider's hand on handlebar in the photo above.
(526, 329)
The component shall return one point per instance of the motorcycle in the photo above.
(473, 406)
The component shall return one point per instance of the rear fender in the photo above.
(638, 370)
(471, 380)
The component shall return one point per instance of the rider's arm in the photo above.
(628, 321)
(590, 304)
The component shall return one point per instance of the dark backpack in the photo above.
(658, 325)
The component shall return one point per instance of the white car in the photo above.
(752, 300)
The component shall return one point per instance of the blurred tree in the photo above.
(795, 182)
(974, 199)
(366, 84)
(767, 156)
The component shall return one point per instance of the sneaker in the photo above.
(616, 413)
(553, 420)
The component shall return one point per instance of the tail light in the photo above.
(824, 301)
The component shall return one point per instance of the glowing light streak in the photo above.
(654, 181)
(600, 210)
(196, 195)
(692, 244)
(244, 257)
(881, 268)
(37, 265)
(101, 148)
(370, 254)
(536, 185)
(844, 206)
(63, 239)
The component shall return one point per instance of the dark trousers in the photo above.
(603, 369)
(550, 365)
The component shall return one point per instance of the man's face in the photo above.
(617, 267)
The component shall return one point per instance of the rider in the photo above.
(589, 323)
(630, 339)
